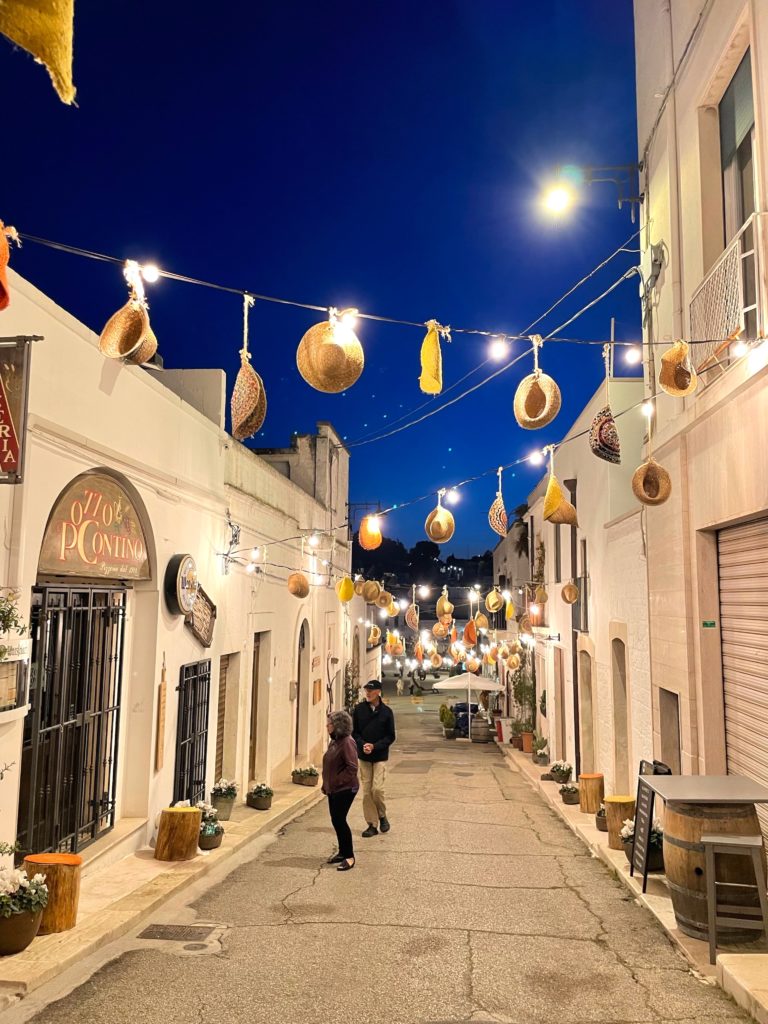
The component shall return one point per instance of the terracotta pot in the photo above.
(527, 738)
(223, 805)
(210, 842)
(17, 931)
(304, 780)
(517, 742)
(259, 803)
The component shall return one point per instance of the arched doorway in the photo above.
(620, 730)
(587, 713)
(302, 691)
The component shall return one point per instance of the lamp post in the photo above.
(563, 191)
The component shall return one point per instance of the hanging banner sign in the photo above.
(94, 531)
(14, 381)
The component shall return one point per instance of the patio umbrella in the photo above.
(467, 681)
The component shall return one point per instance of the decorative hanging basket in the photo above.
(470, 634)
(604, 438)
(440, 524)
(435, 660)
(570, 593)
(412, 617)
(345, 589)
(513, 662)
(481, 621)
(375, 635)
(248, 406)
(330, 357)
(359, 584)
(431, 379)
(651, 483)
(445, 620)
(392, 610)
(298, 584)
(494, 602)
(497, 514)
(557, 508)
(127, 334)
(369, 534)
(538, 398)
(439, 630)
(444, 606)
(541, 596)
(384, 600)
(371, 591)
(677, 376)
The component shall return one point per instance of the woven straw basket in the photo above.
(604, 438)
(371, 591)
(126, 331)
(651, 483)
(248, 406)
(677, 377)
(384, 600)
(330, 357)
(298, 584)
(494, 602)
(497, 516)
(537, 401)
(440, 525)
(570, 593)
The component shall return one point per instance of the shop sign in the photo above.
(181, 584)
(14, 376)
(94, 531)
(15, 648)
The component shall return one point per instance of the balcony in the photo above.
(727, 304)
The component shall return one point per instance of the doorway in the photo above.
(620, 731)
(560, 704)
(192, 732)
(587, 712)
(70, 741)
(302, 686)
(253, 741)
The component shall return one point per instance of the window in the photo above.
(737, 129)
(584, 589)
(558, 556)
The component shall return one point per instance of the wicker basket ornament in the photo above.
(431, 379)
(248, 406)
(6, 233)
(371, 591)
(444, 606)
(494, 602)
(412, 617)
(604, 438)
(359, 584)
(651, 483)
(677, 376)
(570, 593)
(330, 357)
(384, 600)
(470, 634)
(439, 525)
(127, 334)
(298, 585)
(538, 398)
(497, 514)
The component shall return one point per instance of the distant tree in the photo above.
(391, 556)
(425, 562)
(521, 541)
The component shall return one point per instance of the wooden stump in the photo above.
(178, 833)
(617, 810)
(62, 876)
(591, 792)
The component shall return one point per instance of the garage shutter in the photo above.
(743, 570)
(223, 666)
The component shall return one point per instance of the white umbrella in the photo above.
(469, 682)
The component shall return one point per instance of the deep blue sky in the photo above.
(381, 155)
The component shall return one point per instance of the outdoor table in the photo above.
(696, 805)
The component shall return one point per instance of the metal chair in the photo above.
(752, 918)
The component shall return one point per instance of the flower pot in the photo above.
(570, 798)
(210, 842)
(601, 823)
(561, 777)
(304, 780)
(450, 734)
(223, 805)
(17, 931)
(655, 856)
(541, 758)
(517, 742)
(527, 740)
(259, 803)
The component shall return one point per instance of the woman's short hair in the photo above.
(341, 722)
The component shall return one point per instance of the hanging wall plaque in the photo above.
(202, 618)
(14, 386)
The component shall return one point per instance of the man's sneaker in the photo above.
(370, 831)
(384, 825)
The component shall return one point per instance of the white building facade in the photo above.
(130, 705)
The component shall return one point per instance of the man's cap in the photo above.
(372, 684)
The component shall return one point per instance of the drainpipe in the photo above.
(674, 170)
(575, 611)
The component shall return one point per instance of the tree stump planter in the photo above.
(527, 738)
(17, 931)
(304, 780)
(178, 833)
(591, 791)
(210, 842)
(259, 803)
(617, 810)
(569, 798)
(224, 805)
(62, 876)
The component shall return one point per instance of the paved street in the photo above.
(478, 906)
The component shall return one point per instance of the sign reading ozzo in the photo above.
(94, 531)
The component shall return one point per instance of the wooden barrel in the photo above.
(684, 825)
(479, 731)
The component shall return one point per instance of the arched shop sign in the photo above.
(95, 531)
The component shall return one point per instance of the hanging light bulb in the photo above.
(150, 273)
(383, 613)
(536, 458)
(633, 355)
(498, 349)
(250, 568)
(402, 604)
(348, 317)
(453, 496)
(254, 554)
(647, 408)
(314, 541)
(535, 609)
(423, 592)
(506, 595)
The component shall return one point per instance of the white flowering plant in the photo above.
(225, 787)
(569, 789)
(310, 772)
(561, 768)
(209, 822)
(262, 789)
(656, 837)
(20, 894)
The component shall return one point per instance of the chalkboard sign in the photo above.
(643, 823)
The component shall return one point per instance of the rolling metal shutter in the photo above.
(223, 668)
(743, 572)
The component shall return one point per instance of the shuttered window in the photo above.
(222, 708)
(743, 571)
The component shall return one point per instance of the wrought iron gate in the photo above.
(192, 731)
(69, 753)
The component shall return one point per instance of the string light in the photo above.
(740, 349)
(150, 273)
(402, 604)
(536, 458)
(647, 408)
(535, 609)
(423, 592)
(498, 349)
(250, 568)
(254, 554)
(383, 613)
(633, 355)
(506, 595)
(453, 496)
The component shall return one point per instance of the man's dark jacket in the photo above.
(376, 726)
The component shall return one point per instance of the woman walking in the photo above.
(340, 784)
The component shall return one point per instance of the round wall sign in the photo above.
(181, 584)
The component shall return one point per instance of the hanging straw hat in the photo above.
(525, 626)
(604, 438)
(384, 600)
(444, 606)
(677, 376)
(371, 591)
(470, 634)
(298, 584)
(392, 610)
(5, 255)
(359, 584)
(418, 652)
(537, 399)
(147, 349)
(494, 602)
(481, 621)
(431, 379)
(436, 660)
(651, 483)
(375, 635)
(369, 534)
(330, 357)
(439, 630)
(440, 524)
(412, 617)
(345, 589)
(541, 595)
(557, 509)
(125, 331)
(445, 620)
(513, 662)
(570, 593)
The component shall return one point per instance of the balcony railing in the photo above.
(727, 305)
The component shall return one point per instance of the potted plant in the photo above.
(526, 735)
(223, 797)
(655, 843)
(12, 626)
(517, 739)
(449, 724)
(561, 771)
(569, 793)
(601, 821)
(22, 901)
(211, 829)
(540, 749)
(260, 797)
(305, 776)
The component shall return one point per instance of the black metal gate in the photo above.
(69, 752)
(192, 731)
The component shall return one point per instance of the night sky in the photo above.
(386, 156)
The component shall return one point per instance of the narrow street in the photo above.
(479, 905)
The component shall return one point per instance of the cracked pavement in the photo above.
(479, 905)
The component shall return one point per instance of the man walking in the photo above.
(374, 732)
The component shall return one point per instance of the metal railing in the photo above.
(727, 305)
